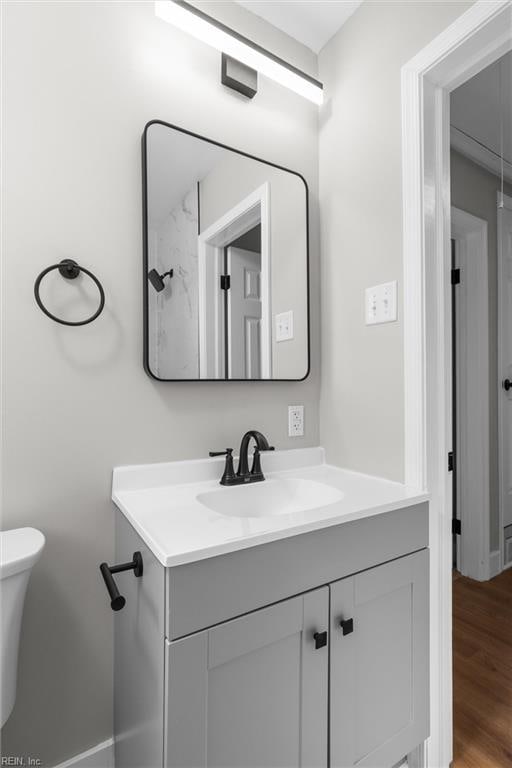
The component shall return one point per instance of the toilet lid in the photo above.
(19, 550)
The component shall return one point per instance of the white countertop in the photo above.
(160, 501)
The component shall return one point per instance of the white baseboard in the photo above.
(494, 564)
(100, 756)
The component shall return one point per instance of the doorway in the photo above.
(243, 306)
(475, 40)
(482, 594)
(234, 276)
(505, 367)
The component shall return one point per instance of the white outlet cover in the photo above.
(284, 326)
(381, 303)
(295, 421)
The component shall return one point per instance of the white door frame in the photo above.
(473, 405)
(506, 202)
(252, 210)
(477, 38)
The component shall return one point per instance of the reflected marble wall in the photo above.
(174, 335)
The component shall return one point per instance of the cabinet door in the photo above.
(379, 670)
(251, 693)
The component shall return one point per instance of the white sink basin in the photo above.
(184, 515)
(279, 496)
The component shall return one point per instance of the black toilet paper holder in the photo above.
(117, 601)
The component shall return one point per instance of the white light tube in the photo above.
(227, 41)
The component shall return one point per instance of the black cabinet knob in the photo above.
(320, 639)
(507, 384)
(347, 626)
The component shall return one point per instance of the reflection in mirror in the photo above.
(226, 262)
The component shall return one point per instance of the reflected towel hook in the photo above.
(157, 280)
(69, 269)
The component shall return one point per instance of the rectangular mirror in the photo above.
(225, 262)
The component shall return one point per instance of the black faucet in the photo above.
(243, 475)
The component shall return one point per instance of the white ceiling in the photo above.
(311, 22)
(477, 105)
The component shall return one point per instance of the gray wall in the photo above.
(362, 393)
(80, 81)
(474, 190)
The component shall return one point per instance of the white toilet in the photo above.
(19, 551)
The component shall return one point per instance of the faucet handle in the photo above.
(256, 464)
(229, 470)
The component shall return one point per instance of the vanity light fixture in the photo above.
(236, 46)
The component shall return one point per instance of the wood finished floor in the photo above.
(482, 672)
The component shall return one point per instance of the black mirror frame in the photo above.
(145, 262)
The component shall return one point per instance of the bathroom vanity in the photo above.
(275, 625)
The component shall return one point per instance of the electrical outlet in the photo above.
(295, 421)
(381, 306)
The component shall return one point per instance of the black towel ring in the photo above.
(70, 270)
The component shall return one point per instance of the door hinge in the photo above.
(456, 526)
(455, 276)
(450, 461)
(225, 282)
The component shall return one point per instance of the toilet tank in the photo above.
(19, 551)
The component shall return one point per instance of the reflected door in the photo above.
(244, 314)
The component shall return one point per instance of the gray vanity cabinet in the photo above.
(253, 691)
(379, 667)
(217, 664)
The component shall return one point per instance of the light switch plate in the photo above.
(381, 303)
(295, 421)
(284, 326)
